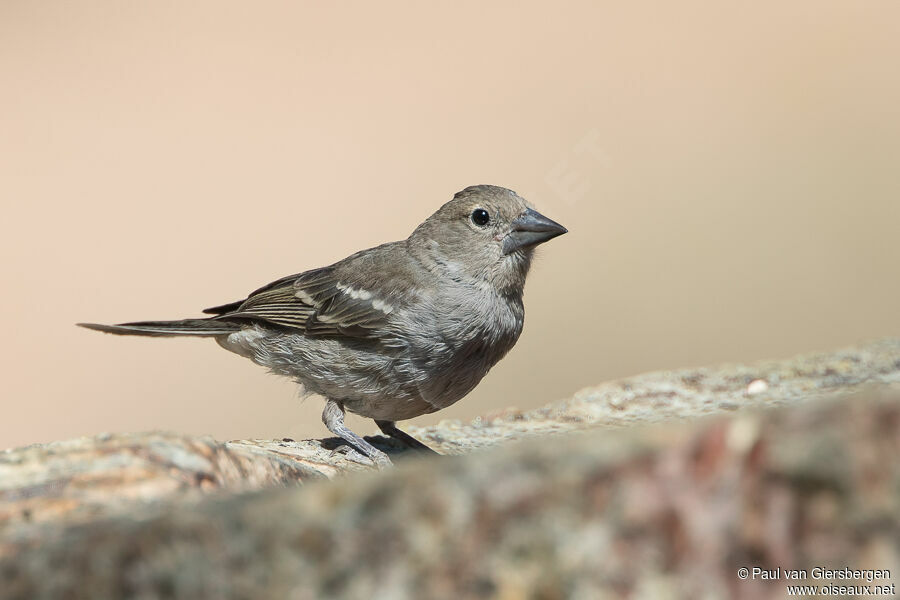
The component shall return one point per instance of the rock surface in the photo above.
(668, 510)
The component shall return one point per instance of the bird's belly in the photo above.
(427, 383)
(369, 379)
(419, 374)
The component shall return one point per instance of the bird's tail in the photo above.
(194, 327)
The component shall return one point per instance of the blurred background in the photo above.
(729, 173)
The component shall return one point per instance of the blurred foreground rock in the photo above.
(664, 511)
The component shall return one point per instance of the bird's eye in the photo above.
(480, 217)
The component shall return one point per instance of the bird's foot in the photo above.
(381, 460)
(389, 428)
(333, 417)
(351, 453)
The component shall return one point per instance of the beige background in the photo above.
(729, 173)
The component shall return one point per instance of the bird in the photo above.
(392, 332)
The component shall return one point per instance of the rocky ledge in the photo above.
(674, 482)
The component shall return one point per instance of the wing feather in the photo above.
(327, 301)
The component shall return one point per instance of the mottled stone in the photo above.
(799, 474)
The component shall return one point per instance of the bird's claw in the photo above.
(380, 461)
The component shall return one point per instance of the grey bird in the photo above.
(396, 331)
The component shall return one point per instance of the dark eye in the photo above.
(480, 217)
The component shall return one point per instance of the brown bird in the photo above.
(396, 331)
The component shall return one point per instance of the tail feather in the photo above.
(195, 327)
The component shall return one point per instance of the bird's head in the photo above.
(486, 233)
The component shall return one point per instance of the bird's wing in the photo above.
(351, 298)
(233, 306)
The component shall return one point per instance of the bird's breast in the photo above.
(454, 342)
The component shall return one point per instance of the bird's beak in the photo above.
(529, 230)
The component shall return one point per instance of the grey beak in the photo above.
(529, 230)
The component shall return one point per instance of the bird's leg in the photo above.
(333, 417)
(390, 428)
